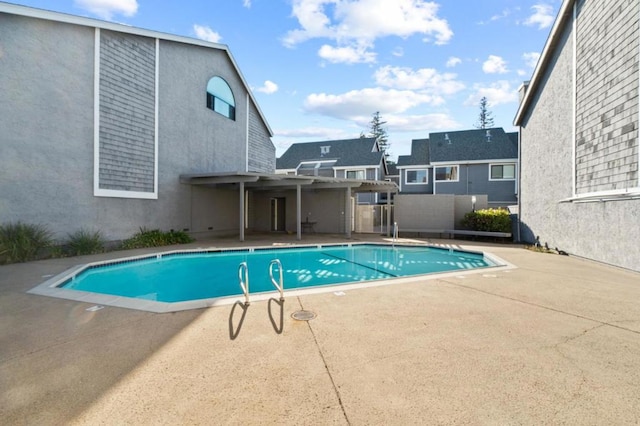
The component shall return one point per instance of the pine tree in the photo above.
(485, 119)
(380, 133)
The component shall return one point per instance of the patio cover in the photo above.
(263, 181)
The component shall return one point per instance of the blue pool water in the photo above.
(191, 276)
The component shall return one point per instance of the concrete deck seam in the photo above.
(541, 306)
(326, 367)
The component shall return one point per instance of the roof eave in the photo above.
(49, 15)
(544, 59)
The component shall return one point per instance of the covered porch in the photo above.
(288, 203)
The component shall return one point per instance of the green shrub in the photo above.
(155, 238)
(22, 242)
(84, 242)
(493, 220)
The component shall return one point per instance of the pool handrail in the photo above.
(243, 278)
(395, 232)
(279, 285)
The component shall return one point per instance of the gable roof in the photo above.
(419, 154)
(462, 146)
(48, 15)
(564, 15)
(346, 153)
(471, 145)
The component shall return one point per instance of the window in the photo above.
(448, 173)
(503, 172)
(317, 168)
(417, 177)
(356, 174)
(220, 98)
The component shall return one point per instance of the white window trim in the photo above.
(446, 180)
(515, 172)
(426, 172)
(603, 196)
(364, 171)
(112, 193)
(463, 162)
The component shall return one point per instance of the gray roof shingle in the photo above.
(419, 154)
(472, 145)
(346, 152)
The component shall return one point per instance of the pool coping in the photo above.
(51, 287)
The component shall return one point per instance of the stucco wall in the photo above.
(604, 231)
(433, 211)
(46, 122)
(214, 212)
(325, 207)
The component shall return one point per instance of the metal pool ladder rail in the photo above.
(395, 232)
(243, 279)
(279, 285)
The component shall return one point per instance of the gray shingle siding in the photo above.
(127, 112)
(607, 138)
(262, 153)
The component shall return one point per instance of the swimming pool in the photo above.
(213, 275)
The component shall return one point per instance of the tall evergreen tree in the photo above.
(485, 119)
(379, 132)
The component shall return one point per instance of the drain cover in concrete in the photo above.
(303, 315)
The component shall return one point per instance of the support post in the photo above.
(388, 213)
(347, 211)
(298, 211)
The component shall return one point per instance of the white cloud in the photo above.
(347, 54)
(453, 61)
(505, 13)
(497, 93)
(269, 87)
(205, 33)
(246, 3)
(356, 104)
(398, 52)
(531, 58)
(105, 9)
(356, 23)
(494, 65)
(542, 16)
(312, 132)
(418, 123)
(427, 80)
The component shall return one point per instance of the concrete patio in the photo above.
(554, 341)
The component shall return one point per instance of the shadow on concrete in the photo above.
(278, 327)
(234, 331)
(57, 356)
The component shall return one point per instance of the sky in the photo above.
(320, 69)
